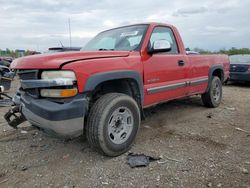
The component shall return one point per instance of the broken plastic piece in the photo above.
(14, 117)
(140, 160)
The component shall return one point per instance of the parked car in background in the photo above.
(240, 68)
(5, 61)
(6, 76)
(63, 49)
(9, 59)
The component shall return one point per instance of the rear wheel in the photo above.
(113, 123)
(212, 98)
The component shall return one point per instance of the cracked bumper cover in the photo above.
(64, 120)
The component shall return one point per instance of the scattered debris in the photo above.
(219, 185)
(24, 168)
(140, 160)
(147, 127)
(230, 108)
(168, 159)
(162, 162)
(4, 181)
(171, 159)
(24, 132)
(105, 183)
(244, 170)
(240, 129)
(65, 157)
(225, 136)
(210, 115)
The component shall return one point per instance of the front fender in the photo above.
(96, 79)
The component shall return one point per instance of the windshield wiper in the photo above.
(104, 49)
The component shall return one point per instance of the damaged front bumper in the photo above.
(63, 118)
(66, 120)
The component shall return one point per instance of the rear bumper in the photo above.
(64, 120)
(240, 76)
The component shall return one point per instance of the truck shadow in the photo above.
(178, 105)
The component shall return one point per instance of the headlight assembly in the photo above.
(52, 75)
(64, 79)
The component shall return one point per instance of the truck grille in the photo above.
(29, 75)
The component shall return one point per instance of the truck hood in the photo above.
(57, 60)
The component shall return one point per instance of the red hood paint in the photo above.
(54, 61)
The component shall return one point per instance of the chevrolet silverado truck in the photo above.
(103, 89)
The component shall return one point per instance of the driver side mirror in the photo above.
(160, 46)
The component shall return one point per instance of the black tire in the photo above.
(212, 98)
(98, 123)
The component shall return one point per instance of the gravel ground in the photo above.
(199, 147)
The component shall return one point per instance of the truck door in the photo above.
(165, 74)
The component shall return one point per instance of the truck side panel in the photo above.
(201, 67)
(164, 80)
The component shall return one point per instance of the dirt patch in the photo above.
(199, 147)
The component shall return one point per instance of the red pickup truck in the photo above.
(103, 89)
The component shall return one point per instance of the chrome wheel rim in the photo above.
(216, 92)
(120, 125)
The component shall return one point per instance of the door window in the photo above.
(164, 33)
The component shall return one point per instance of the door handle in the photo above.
(181, 63)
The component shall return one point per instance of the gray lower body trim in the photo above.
(176, 86)
(197, 82)
(166, 87)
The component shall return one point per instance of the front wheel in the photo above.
(113, 123)
(212, 98)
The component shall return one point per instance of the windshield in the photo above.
(238, 59)
(121, 39)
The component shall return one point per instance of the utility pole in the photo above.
(70, 42)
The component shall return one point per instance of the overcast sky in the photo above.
(37, 25)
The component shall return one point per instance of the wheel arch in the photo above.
(132, 78)
(215, 70)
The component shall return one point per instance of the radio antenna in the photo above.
(70, 42)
